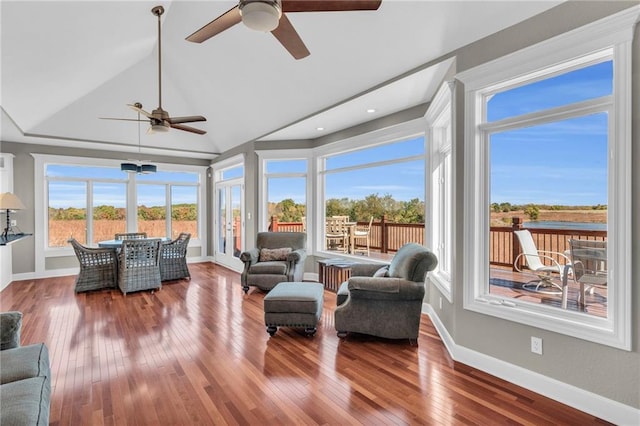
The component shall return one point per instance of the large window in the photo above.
(285, 188)
(547, 173)
(92, 199)
(378, 189)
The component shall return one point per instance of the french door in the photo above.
(228, 222)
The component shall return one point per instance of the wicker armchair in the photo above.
(173, 258)
(131, 236)
(139, 267)
(98, 267)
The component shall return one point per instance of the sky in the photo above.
(563, 162)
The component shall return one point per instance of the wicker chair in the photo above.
(98, 267)
(139, 267)
(131, 236)
(173, 258)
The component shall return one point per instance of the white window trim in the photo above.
(41, 200)
(395, 133)
(286, 154)
(439, 118)
(617, 32)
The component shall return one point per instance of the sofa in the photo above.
(25, 376)
(385, 300)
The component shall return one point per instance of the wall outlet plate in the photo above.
(536, 345)
(14, 222)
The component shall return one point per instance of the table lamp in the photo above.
(9, 201)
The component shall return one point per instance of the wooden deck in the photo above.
(507, 283)
(197, 353)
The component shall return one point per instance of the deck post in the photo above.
(274, 224)
(383, 234)
(516, 225)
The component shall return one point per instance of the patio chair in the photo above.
(277, 257)
(139, 267)
(173, 258)
(131, 236)
(535, 260)
(361, 238)
(589, 267)
(336, 234)
(98, 267)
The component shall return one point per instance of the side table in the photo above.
(333, 272)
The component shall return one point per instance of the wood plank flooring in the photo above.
(197, 352)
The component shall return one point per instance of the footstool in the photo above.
(293, 304)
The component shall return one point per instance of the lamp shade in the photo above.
(129, 167)
(9, 201)
(261, 15)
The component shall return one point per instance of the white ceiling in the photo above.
(64, 64)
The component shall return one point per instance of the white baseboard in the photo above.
(588, 402)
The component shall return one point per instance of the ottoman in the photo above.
(293, 304)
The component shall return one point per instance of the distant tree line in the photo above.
(179, 212)
(411, 211)
(533, 210)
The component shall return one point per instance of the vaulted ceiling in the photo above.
(65, 64)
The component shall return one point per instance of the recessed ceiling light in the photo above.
(320, 129)
(371, 110)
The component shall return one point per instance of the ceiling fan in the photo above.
(160, 119)
(270, 15)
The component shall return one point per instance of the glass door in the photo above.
(228, 223)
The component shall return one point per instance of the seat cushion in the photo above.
(24, 362)
(274, 268)
(343, 293)
(25, 402)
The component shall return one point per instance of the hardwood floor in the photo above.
(197, 352)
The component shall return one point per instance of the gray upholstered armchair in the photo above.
(277, 257)
(385, 302)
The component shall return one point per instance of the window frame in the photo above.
(441, 187)
(263, 186)
(612, 35)
(41, 161)
(396, 133)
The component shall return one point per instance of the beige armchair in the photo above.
(385, 303)
(277, 257)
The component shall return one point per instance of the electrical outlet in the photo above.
(536, 345)
(14, 222)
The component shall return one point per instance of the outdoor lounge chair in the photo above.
(535, 260)
(589, 267)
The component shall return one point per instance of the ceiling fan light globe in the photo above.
(158, 128)
(260, 15)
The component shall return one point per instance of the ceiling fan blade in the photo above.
(188, 129)
(218, 25)
(189, 119)
(140, 110)
(122, 119)
(289, 38)
(329, 5)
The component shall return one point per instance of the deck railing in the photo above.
(388, 237)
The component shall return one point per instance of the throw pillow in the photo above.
(382, 272)
(268, 255)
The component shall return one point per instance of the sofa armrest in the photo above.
(385, 288)
(250, 256)
(10, 326)
(297, 256)
(366, 269)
